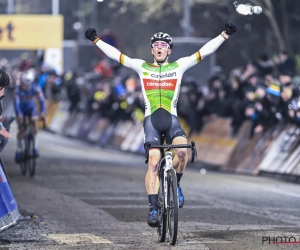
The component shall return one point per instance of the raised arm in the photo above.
(112, 52)
(209, 48)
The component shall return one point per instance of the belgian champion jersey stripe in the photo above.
(198, 56)
(121, 60)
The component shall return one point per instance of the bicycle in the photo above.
(28, 155)
(167, 194)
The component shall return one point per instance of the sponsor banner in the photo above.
(3, 208)
(290, 146)
(253, 154)
(74, 127)
(283, 155)
(3, 178)
(280, 150)
(60, 117)
(7, 200)
(97, 130)
(20, 31)
(51, 107)
(138, 139)
(54, 58)
(296, 169)
(121, 131)
(108, 133)
(274, 151)
(87, 124)
(249, 152)
(108, 136)
(167, 84)
(214, 143)
(291, 166)
(132, 137)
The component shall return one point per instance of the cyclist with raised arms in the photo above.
(161, 87)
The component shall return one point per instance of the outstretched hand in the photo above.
(4, 133)
(230, 28)
(91, 34)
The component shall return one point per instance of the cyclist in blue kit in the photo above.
(25, 105)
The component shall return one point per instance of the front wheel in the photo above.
(172, 207)
(162, 228)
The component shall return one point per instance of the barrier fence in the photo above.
(274, 152)
(9, 213)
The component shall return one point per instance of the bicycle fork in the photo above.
(169, 167)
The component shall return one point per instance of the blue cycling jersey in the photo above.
(25, 100)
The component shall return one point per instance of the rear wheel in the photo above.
(172, 207)
(23, 163)
(162, 228)
(31, 156)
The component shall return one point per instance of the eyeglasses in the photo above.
(160, 44)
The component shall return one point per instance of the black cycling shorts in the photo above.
(161, 124)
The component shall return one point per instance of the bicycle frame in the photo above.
(28, 131)
(28, 159)
(169, 159)
(170, 206)
(168, 167)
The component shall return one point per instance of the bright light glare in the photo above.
(77, 26)
(257, 9)
(99, 0)
(243, 9)
(247, 9)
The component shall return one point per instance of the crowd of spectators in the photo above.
(265, 91)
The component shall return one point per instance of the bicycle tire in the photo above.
(23, 164)
(31, 156)
(172, 207)
(162, 228)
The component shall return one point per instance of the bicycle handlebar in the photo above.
(172, 146)
(40, 119)
(169, 147)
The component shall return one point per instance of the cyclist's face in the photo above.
(160, 50)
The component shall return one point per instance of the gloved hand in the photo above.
(3, 131)
(91, 34)
(230, 28)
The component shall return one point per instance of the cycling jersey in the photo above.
(161, 84)
(25, 100)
